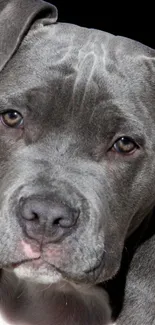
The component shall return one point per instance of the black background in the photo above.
(126, 19)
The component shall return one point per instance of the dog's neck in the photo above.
(27, 303)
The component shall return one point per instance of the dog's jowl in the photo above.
(77, 165)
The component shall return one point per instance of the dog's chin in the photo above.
(44, 273)
(29, 272)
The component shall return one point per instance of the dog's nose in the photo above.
(45, 217)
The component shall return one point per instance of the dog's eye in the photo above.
(12, 119)
(124, 145)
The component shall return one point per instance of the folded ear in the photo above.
(16, 17)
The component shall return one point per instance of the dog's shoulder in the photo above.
(140, 287)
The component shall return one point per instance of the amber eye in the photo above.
(12, 119)
(124, 145)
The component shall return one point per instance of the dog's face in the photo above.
(77, 152)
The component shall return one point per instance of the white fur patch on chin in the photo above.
(29, 274)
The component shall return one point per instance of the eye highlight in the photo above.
(124, 145)
(12, 119)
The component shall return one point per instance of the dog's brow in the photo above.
(15, 104)
(114, 119)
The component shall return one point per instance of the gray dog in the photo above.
(77, 166)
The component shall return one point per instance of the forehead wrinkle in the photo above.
(61, 54)
(72, 73)
(109, 119)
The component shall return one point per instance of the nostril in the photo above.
(69, 220)
(57, 221)
(34, 216)
(30, 216)
(27, 212)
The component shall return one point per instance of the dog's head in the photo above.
(77, 151)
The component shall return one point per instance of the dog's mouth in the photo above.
(35, 265)
(56, 260)
(15, 265)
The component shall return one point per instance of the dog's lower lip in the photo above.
(14, 265)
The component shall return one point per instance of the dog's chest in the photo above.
(5, 321)
(2, 320)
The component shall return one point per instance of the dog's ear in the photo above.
(16, 17)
